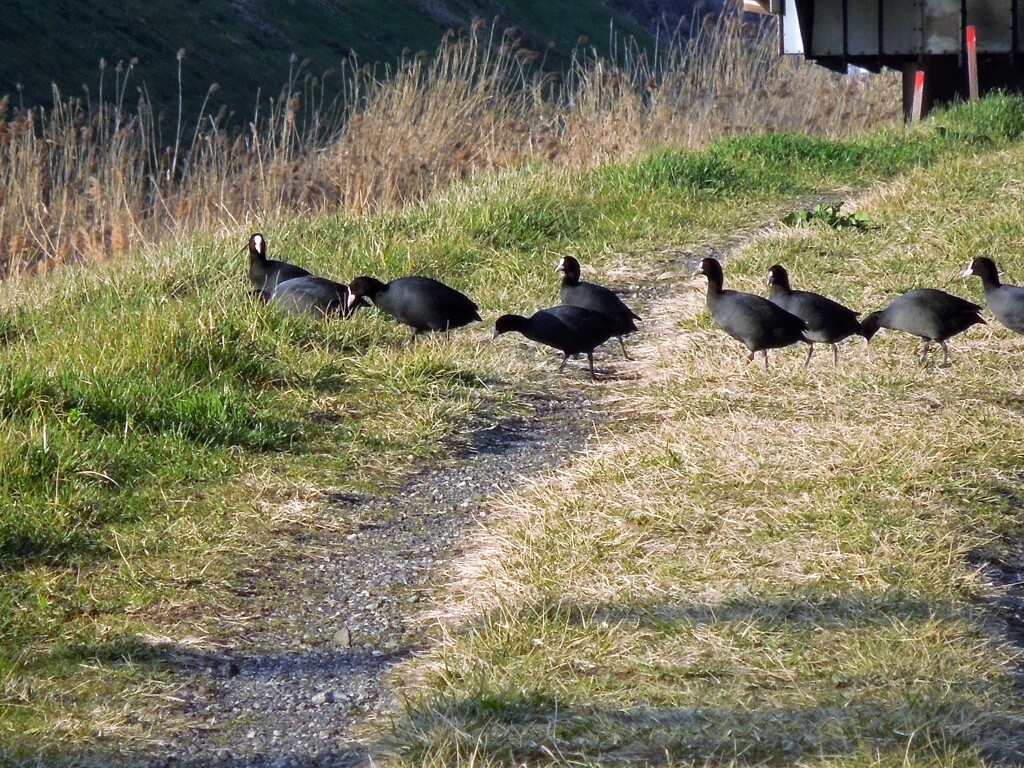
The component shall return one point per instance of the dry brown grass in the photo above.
(86, 182)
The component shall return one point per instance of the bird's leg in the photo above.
(766, 359)
(810, 349)
(565, 358)
(835, 355)
(924, 352)
(590, 357)
(750, 357)
(623, 345)
(945, 355)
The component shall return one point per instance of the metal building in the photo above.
(907, 35)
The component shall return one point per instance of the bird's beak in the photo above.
(967, 272)
(353, 301)
(352, 306)
(561, 266)
(698, 272)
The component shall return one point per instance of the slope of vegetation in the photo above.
(155, 419)
(247, 48)
(790, 566)
(91, 179)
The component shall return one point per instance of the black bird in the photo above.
(595, 297)
(314, 295)
(828, 321)
(751, 319)
(422, 303)
(1005, 301)
(264, 273)
(926, 312)
(567, 328)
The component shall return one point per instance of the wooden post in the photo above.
(972, 62)
(918, 102)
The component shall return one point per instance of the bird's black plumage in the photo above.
(931, 314)
(422, 303)
(579, 293)
(1006, 302)
(828, 321)
(567, 328)
(309, 294)
(753, 320)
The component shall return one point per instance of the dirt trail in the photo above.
(306, 672)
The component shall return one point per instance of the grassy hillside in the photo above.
(246, 47)
(155, 418)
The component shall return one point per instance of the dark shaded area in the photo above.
(594, 734)
(1002, 562)
(252, 50)
(815, 609)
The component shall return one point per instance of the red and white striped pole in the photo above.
(972, 61)
(918, 102)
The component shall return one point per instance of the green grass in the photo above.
(153, 416)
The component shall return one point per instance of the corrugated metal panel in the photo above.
(993, 21)
(828, 28)
(902, 24)
(863, 27)
(851, 28)
(942, 26)
(792, 41)
(1019, 26)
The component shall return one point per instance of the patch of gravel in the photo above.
(324, 627)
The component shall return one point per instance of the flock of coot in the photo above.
(591, 314)
(787, 316)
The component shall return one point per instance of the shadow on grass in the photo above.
(910, 715)
(260, 690)
(499, 730)
(816, 609)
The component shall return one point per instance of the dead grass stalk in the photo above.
(84, 182)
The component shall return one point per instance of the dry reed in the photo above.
(85, 181)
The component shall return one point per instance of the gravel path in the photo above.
(323, 629)
(324, 648)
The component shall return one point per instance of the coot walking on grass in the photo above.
(314, 295)
(751, 319)
(828, 321)
(567, 328)
(595, 297)
(264, 273)
(1005, 301)
(932, 314)
(422, 303)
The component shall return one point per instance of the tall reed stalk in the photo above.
(84, 181)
